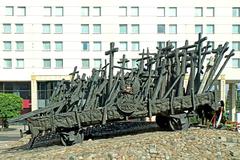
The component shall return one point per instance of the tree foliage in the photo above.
(10, 106)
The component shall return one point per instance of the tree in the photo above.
(10, 107)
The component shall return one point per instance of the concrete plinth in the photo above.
(232, 100)
(222, 87)
(33, 93)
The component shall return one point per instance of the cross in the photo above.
(222, 67)
(205, 51)
(123, 61)
(148, 54)
(158, 59)
(147, 57)
(74, 73)
(111, 63)
(199, 61)
(200, 39)
(150, 62)
(186, 46)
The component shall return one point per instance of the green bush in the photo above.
(10, 107)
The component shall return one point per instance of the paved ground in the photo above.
(11, 134)
(193, 144)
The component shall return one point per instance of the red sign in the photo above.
(26, 103)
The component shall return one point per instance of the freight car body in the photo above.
(154, 88)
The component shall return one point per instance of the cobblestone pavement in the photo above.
(192, 144)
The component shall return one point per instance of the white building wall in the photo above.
(148, 19)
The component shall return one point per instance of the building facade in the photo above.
(42, 41)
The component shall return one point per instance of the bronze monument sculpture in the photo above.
(154, 88)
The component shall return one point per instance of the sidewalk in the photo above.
(12, 134)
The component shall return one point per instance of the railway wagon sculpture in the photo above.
(154, 88)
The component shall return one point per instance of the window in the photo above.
(85, 64)
(58, 28)
(123, 29)
(135, 63)
(123, 46)
(58, 46)
(97, 46)
(174, 44)
(211, 43)
(161, 28)
(172, 12)
(135, 28)
(85, 28)
(236, 11)
(198, 28)
(210, 29)
(9, 11)
(59, 63)
(135, 46)
(21, 11)
(85, 11)
(7, 45)
(161, 44)
(7, 28)
(19, 63)
(46, 63)
(46, 45)
(173, 29)
(97, 28)
(46, 28)
(236, 29)
(236, 62)
(19, 46)
(19, 28)
(59, 11)
(122, 11)
(97, 63)
(7, 64)
(85, 46)
(47, 11)
(134, 11)
(198, 11)
(210, 12)
(96, 11)
(161, 11)
(236, 45)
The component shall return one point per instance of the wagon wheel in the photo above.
(162, 122)
(70, 138)
(171, 123)
(186, 125)
(79, 137)
(175, 124)
(65, 140)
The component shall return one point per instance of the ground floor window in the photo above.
(44, 92)
(22, 89)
